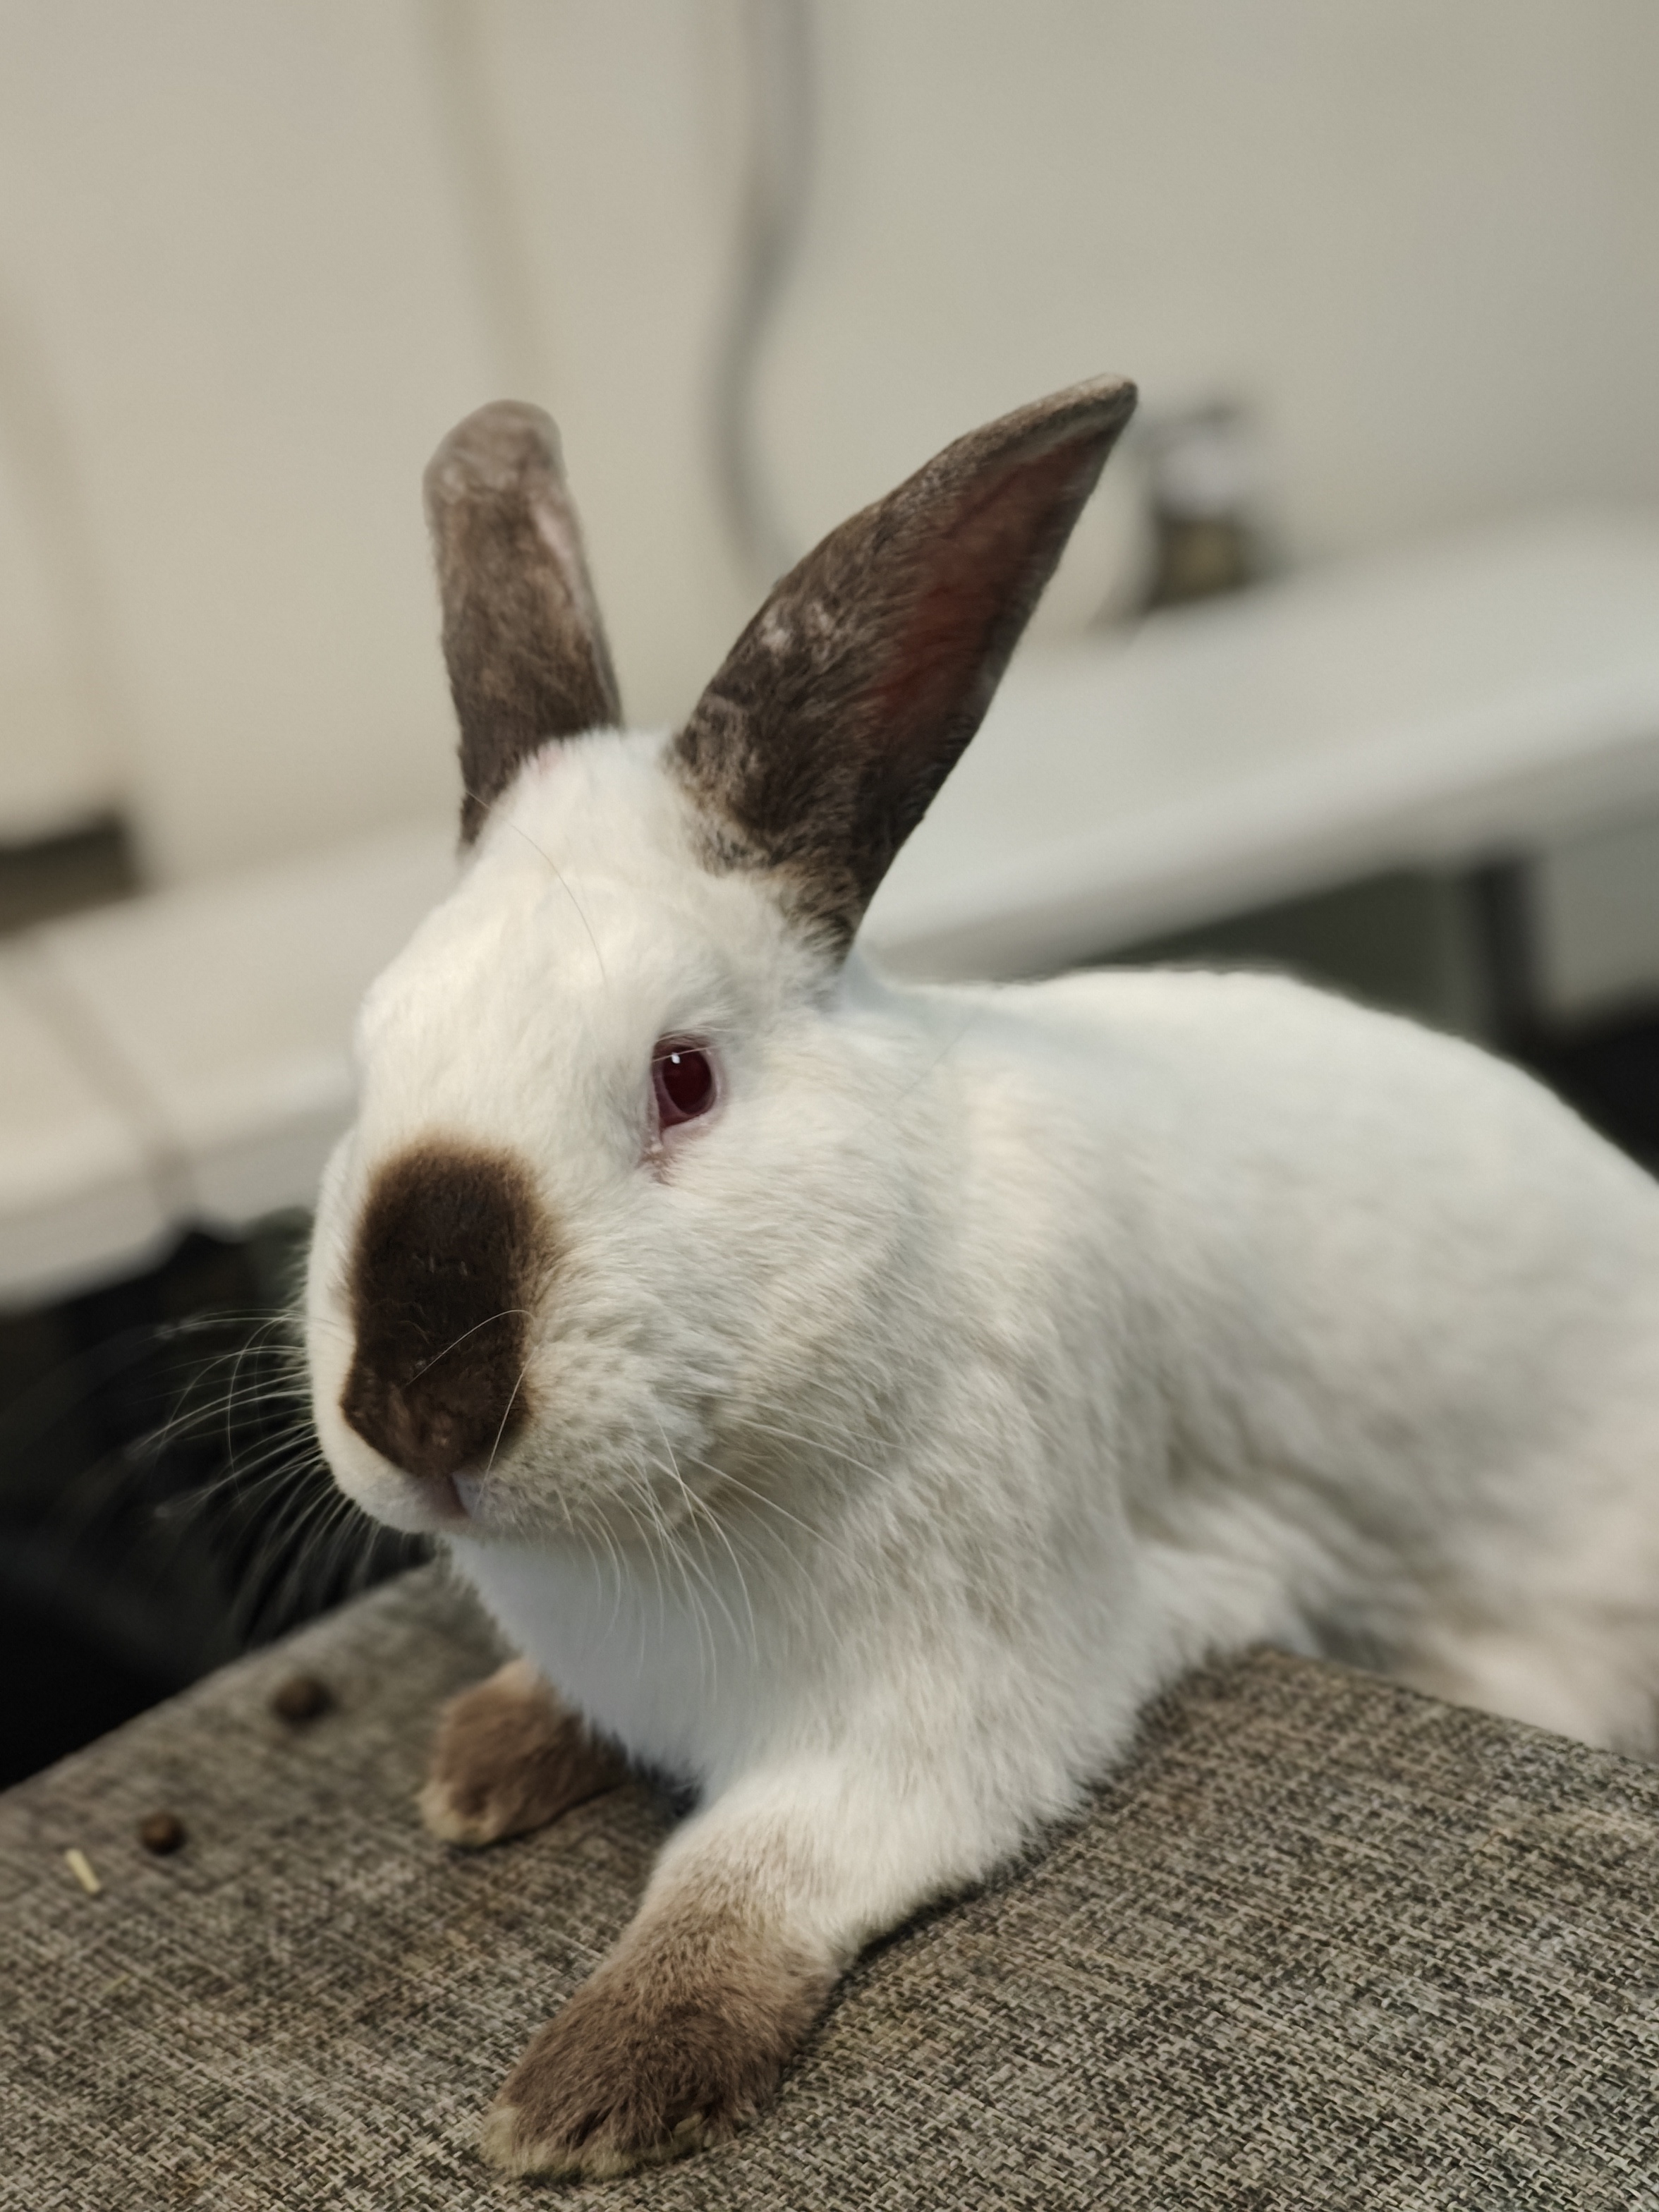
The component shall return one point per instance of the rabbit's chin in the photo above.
(507, 1504)
(516, 1506)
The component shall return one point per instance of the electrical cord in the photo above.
(778, 38)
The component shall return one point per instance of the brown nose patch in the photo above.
(452, 1251)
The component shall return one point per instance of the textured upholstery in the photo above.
(1320, 1943)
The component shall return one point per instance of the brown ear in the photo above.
(528, 657)
(847, 700)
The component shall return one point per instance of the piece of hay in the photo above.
(80, 1866)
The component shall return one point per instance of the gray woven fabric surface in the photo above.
(1321, 1944)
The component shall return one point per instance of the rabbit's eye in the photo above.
(682, 1078)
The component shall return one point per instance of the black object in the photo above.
(79, 868)
(301, 1697)
(162, 1503)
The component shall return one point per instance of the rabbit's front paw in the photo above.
(508, 1757)
(674, 2042)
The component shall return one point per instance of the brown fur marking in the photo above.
(508, 1757)
(526, 651)
(452, 1251)
(817, 749)
(674, 2042)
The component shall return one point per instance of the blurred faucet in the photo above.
(1203, 471)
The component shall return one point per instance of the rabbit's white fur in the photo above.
(986, 1356)
(992, 1354)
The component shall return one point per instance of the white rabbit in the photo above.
(860, 1401)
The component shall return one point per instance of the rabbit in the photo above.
(860, 1401)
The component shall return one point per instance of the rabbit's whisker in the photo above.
(507, 1415)
(507, 1313)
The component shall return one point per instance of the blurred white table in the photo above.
(1468, 702)
(80, 1198)
(228, 1008)
(186, 1057)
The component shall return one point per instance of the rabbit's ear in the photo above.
(846, 703)
(528, 657)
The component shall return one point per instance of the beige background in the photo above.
(255, 257)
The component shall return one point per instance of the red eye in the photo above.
(684, 1080)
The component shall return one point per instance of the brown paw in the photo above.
(676, 2042)
(508, 1757)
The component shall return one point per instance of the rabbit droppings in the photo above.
(860, 1400)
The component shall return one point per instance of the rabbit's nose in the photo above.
(451, 1254)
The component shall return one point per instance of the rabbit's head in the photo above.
(629, 1151)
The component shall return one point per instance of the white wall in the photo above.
(1423, 237)
(255, 259)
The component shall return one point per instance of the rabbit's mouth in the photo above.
(417, 1505)
(450, 1500)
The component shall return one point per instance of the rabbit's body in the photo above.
(1228, 1356)
(866, 1433)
